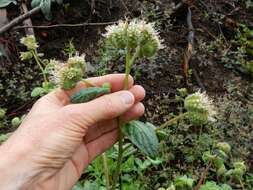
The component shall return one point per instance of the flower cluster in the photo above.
(224, 146)
(218, 157)
(136, 33)
(30, 42)
(66, 75)
(199, 108)
(31, 45)
(239, 169)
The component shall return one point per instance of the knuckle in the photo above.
(111, 108)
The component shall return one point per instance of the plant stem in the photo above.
(129, 62)
(171, 121)
(40, 66)
(106, 171)
(242, 185)
(88, 83)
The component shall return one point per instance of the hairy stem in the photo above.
(106, 171)
(129, 62)
(40, 66)
(242, 185)
(171, 121)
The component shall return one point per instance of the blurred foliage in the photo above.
(16, 83)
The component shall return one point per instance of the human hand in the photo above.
(57, 140)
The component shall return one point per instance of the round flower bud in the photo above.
(69, 77)
(69, 74)
(116, 35)
(197, 118)
(172, 187)
(200, 108)
(218, 162)
(77, 62)
(222, 170)
(238, 172)
(2, 113)
(15, 122)
(240, 165)
(149, 49)
(30, 42)
(26, 56)
(225, 147)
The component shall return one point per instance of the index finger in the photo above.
(116, 81)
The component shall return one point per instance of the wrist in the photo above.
(15, 170)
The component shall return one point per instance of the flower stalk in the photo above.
(106, 171)
(37, 60)
(137, 39)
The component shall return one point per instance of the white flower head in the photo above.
(30, 42)
(199, 104)
(133, 34)
(67, 75)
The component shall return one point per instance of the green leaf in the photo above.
(46, 9)
(38, 91)
(45, 6)
(88, 94)
(143, 136)
(5, 3)
(211, 185)
(58, 1)
(184, 183)
(35, 3)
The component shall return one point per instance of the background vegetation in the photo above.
(220, 63)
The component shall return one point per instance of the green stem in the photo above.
(40, 66)
(88, 83)
(106, 171)
(129, 62)
(171, 121)
(242, 185)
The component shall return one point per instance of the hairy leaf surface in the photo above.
(88, 94)
(142, 135)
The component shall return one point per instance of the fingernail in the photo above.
(127, 97)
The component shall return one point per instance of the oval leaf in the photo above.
(88, 94)
(45, 6)
(142, 135)
(38, 91)
(5, 3)
(35, 3)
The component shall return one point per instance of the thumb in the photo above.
(103, 108)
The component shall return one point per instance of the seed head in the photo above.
(200, 108)
(30, 42)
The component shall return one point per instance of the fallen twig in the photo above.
(19, 19)
(28, 21)
(189, 50)
(203, 176)
(68, 25)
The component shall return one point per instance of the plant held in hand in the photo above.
(136, 39)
